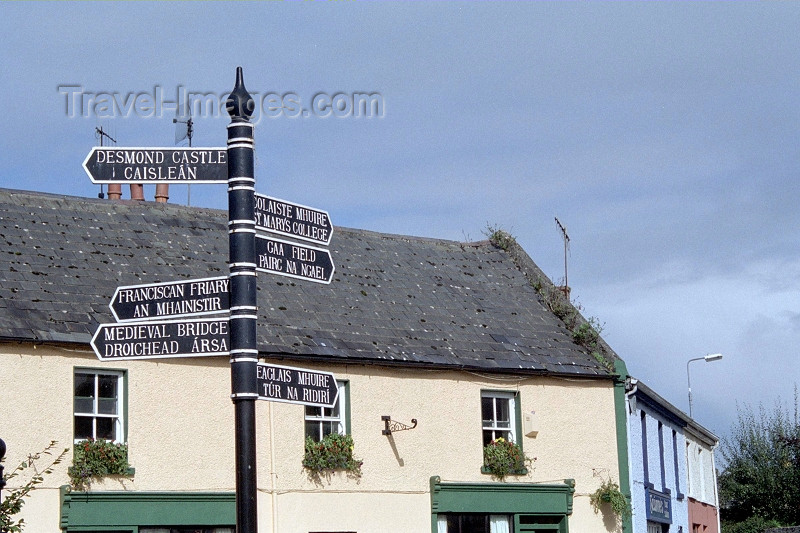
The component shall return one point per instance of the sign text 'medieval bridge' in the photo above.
(161, 339)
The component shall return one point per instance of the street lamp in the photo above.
(707, 358)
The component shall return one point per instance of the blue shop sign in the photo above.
(659, 507)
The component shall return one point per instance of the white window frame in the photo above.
(511, 397)
(327, 414)
(118, 417)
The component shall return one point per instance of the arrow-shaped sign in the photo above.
(293, 260)
(296, 385)
(157, 165)
(162, 339)
(171, 299)
(293, 220)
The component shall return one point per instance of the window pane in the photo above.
(330, 427)
(107, 386)
(105, 428)
(107, 406)
(453, 523)
(313, 411)
(312, 430)
(474, 523)
(503, 415)
(83, 427)
(488, 436)
(84, 405)
(84, 385)
(487, 411)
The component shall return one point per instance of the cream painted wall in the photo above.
(181, 437)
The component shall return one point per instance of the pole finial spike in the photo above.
(240, 104)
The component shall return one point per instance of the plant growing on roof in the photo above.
(499, 237)
(97, 458)
(585, 333)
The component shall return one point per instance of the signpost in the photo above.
(162, 339)
(294, 260)
(293, 220)
(171, 299)
(296, 385)
(157, 165)
(141, 332)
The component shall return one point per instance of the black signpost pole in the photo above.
(243, 305)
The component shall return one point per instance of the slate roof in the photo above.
(393, 300)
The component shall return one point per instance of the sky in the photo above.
(663, 136)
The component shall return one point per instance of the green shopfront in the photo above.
(500, 507)
(147, 512)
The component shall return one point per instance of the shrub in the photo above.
(502, 457)
(333, 452)
(15, 498)
(97, 458)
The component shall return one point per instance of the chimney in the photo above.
(137, 191)
(162, 193)
(114, 191)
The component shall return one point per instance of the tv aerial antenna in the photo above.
(101, 134)
(184, 128)
(566, 248)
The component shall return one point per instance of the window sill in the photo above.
(517, 472)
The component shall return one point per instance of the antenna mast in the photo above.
(100, 133)
(189, 132)
(566, 247)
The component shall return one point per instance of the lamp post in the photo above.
(2, 456)
(707, 358)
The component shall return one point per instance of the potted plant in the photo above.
(333, 452)
(502, 457)
(97, 458)
(609, 493)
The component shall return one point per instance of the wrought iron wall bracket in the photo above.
(391, 425)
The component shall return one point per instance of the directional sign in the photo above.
(162, 339)
(157, 165)
(293, 220)
(293, 260)
(296, 385)
(171, 299)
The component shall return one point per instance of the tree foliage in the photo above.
(761, 480)
(14, 499)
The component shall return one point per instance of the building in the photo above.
(702, 485)
(454, 336)
(673, 477)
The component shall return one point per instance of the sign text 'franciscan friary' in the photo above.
(162, 339)
(157, 165)
(171, 299)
